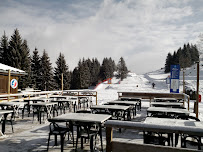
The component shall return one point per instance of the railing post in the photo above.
(96, 97)
(188, 103)
(109, 135)
(9, 80)
(197, 92)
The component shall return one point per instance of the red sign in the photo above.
(199, 97)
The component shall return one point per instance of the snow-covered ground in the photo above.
(31, 136)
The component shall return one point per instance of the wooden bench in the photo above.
(114, 146)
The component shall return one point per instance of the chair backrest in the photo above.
(1, 116)
(86, 128)
(55, 127)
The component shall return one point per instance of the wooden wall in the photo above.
(4, 84)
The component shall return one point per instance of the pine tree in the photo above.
(36, 72)
(14, 58)
(95, 71)
(25, 65)
(85, 75)
(47, 81)
(185, 57)
(105, 70)
(75, 79)
(168, 63)
(4, 49)
(62, 67)
(194, 54)
(122, 69)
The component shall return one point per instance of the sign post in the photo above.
(174, 81)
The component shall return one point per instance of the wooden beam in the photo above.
(9, 80)
(96, 98)
(109, 136)
(197, 92)
(62, 83)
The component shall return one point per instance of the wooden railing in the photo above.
(81, 93)
(112, 145)
(21, 96)
(152, 95)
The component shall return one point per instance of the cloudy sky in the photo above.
(141, 31)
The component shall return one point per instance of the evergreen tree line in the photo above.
(41, 75)
(185, 57)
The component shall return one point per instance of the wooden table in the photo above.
(167, 111)
(119, 110)
(127, 103)
(49, 106)
(4, 113)
(175, 123)
(167, 104)
(98, 119)
(12, 105)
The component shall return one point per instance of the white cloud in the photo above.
(143, 32)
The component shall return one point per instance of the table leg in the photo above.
(4, 123)
(100, 134)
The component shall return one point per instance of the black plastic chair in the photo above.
(86, 131)
(10, 119)
(39, 111)
(56, 130)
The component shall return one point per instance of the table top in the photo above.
(64, 100)
(60, 97)
(131, 98)
(82, 117)
(167, 110)
(110, 107)
(165, 99)
(5, 111)
(167, 103)
(44, 104)
(12, 104)
(174, 122)
(123, 102)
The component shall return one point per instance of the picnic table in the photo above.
(167, 104)
(72, 118)
(119, 110)
(44, 107)
(4, 113)
(127, 103)
(167, 111)
(175, 123)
